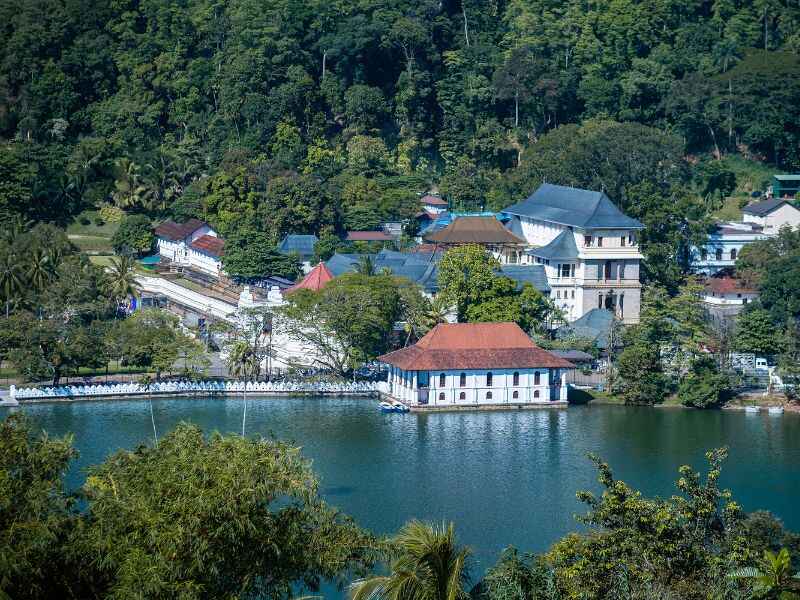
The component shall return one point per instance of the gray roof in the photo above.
(572, 206)
(763, 208)
(533, 274)
(594, 325)
(794, 177)
(300, 243)
(562, 246)
(420, 267)
(573, 355)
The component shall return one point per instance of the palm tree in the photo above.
(774, 577)
(366, 266)
(11, 281)
(40, 269)
(121, 278)
(426, 564)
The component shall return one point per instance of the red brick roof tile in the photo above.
(474, 346)
(178, 231)
(314, 280)
(209, 244)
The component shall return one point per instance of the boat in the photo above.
(399, 406)
(386, 407)
(775, 410)
(751, 409)
(393, 407)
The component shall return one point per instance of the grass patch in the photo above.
(730, 210)
(91, 244)
(751, 175)
(101, 260)
(92, 228)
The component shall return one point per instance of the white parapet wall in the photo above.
(189, 298)
(164, 388)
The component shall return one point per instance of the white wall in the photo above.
(785, 215)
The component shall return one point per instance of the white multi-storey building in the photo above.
(475, 364)
(192, 244)
(588, 247)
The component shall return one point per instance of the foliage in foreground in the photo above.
(195, 517)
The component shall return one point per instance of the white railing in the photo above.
(192, 387)
(189, 298)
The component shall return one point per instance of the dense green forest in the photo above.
(315, 117)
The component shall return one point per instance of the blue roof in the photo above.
(572, 206)
(563, 246)
(594, 325)
(420, 267)
(533, 274)
(302, 244)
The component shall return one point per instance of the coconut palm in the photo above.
(40, 270)
(426, 563)
(243, 361)
(11, 279)
(121, 278)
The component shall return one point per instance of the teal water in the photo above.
(503, 477)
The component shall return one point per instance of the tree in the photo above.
(773, 577)
(36, 513)
(149, 508)
(704, 386)
(133, 236)
(346, 323)
(517, 577)
(755, 332)
(639, 378)
(465, 274)
(425, 562)
(11, 279)
(121, 278)
(250, 254)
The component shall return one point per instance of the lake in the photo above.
(504, 478)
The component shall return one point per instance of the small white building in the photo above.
(771, 215)
(192, 244)
(476, 364)
(433, 204)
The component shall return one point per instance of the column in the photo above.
(563, 391)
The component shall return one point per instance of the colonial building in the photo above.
(192, 244)
(771, 215)
(723, 246)
(725, 297)
(588, 247)
(476, 364)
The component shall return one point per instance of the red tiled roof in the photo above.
(433, 200)
(424, 213)
(178, 231)
(209, 244)
(727, 285)
(314, 280)
(474, 230)
(474, 346)
(369, 236)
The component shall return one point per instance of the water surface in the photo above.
(503, 477)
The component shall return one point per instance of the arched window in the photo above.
(536, 393)
(515, 395)
(462, 396)
(442, 380)
(515, 378)
(733, 254)
(537, 378)
(718, 254)
(488, 395)
(489, 379)
(441, 395)
(462, 380)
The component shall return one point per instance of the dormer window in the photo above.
(587, 240)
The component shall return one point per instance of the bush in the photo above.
(98, 221)
(111, 214)
(704, 386)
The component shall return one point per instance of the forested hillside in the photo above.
(273, 116)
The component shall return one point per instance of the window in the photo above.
(703, 254)
(733, 254)
(566, 270)
(441, 395)
(537, 378)
(573, 294)
(622, 241)
(599, 241)
(621, 271)
(536, 393)
(442, 380)
(488, 395)
(462, 380)
(558, 294)
(515, 378)
(515, 395)
(489, 379)
(462, 396)
(587, 240)
(607, 270)
(718, 254)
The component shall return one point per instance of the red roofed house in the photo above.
(726, 296)
(191, 244)
(476, 364)
(314, 280)
(433, 204)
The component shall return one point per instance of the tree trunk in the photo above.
(466, 31)
(516, 109)
(324, 61)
